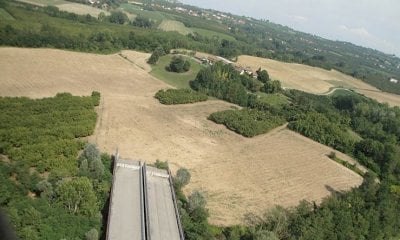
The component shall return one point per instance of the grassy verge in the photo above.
(212, 34)
(5, 15)
(178, 80)
(156, 16)
(275, 99)
(348, 165)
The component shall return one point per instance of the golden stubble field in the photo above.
(77, 8)
(313, 79)
(239, 175)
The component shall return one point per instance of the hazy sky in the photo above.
(370, 23)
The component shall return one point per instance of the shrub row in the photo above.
(179, 96)
(247, 122)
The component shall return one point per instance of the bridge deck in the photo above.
(125, 217)
(163, 223)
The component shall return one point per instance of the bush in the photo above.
(118, 17)
(161, 164)
(178, 65)
(247, 122)
(96, 98)
(179, 96)
(272, 87)
(182, 177)
(263, 76)
(142, 22)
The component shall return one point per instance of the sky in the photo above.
(369, 23)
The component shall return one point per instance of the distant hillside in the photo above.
(266, 39)
(209, 31)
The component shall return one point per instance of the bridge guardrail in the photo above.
(142, 214)
(146, 203)
(115, 157)
(178, 218)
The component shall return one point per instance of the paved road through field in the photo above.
(163, 224)
(125, 218)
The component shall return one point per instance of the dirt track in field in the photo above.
(313, 79)
(239, 175)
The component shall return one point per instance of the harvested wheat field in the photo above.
(137, 58)
(313, 79)
(77, 8)
(239, 175)
(81, 9)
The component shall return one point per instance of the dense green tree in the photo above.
(40, 136)
(182, 177)
(158, 52)
(45, 189)
(90, 153)
(263, 76)
(228, 49)
(247, 122)
(96, 169)
(142, 22)
(224, 82)
(84, 168)
(272, 87)
(90, 162)
(77, 196)
(179, 96)
(118, 17)
(178, 64)
(93, 234)
(196, 200)
(102, 17)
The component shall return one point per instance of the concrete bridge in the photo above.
(142, 203)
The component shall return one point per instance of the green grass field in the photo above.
(45, 2)
(178, 80)
(4, 15)
(171, 26)
(275, 99)
(35, 20)
(343, 92)
(156, 16)
(211, 34)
